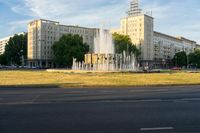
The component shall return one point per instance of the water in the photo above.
(104, 57)
(103, 42)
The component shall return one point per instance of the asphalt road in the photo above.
(125, 110)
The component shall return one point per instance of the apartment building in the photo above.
(140, 30)
(166, 46)
(42, 34)
(156, 48)
(4, 41)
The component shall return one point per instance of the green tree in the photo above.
(15, 49)
(180, 59)
(69, 47)
(194, 58)
(123, 43)
(3, 60)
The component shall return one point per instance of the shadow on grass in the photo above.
(79, 85)
(42, 85)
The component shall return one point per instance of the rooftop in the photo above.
(176, 38)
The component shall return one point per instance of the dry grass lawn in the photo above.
(71, 79)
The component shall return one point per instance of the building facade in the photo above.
(140, 30)
(42, 34)
(198, 46)
(4, 41)
(166, 46)
(156, 48)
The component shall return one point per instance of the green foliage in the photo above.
(123, 43)
(69, 47)
(194, 58)
(15, 48)
(3, 60)
(180, 59)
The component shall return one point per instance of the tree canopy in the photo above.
(15, 48)
(180, 59)
(194, 58)
(69, 47)
(123, 43)
(3, 60)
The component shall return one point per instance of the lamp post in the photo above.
(188, 61)
(11, 61)
(176, 61)
(22, 54)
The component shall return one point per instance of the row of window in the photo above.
(134, 30)
(135, 25)
(77, 31)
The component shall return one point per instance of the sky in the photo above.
(173, 17)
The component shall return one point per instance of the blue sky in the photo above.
(174, 17)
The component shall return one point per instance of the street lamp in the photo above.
(22, 54)
(188, 61)
(176, 60)
(11, 61)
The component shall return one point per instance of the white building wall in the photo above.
(165, 46)
(42, 34)
(4, 41)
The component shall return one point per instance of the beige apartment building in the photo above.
(4, 41)
(42, 34)
(140, 30)
(157, 49)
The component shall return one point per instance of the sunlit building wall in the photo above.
(42, 34)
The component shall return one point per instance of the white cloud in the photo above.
(172, 18)
(168, 18)
(81, 12)
(159, 11)
(17, 25)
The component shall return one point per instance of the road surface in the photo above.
(125, 110)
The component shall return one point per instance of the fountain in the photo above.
(104, 57)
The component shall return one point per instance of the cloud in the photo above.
(159, 11)
(194, 27)
(172, 17)
(81, 12)
(17, 25)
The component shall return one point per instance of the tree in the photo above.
(69, 47)
(15, 49)
(180, 59)
(194, 58)
(3, 59)
(123, 43)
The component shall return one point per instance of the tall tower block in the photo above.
(139, 27)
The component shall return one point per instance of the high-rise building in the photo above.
(156, 48)
(42, 34)
(140, 30)
(139, 27)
